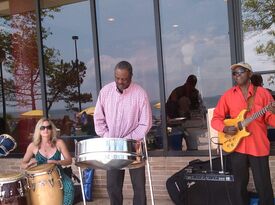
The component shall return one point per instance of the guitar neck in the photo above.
(256, 115)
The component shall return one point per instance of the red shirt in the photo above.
(232, 103)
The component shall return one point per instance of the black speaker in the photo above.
(196, 184)
(209, 193)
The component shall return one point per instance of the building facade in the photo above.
(56, 56)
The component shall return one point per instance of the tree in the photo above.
(22, 87)
(259, 16)
(62, 83)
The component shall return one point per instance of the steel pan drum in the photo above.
(109, 153)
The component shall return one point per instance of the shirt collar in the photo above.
(125, 91)
(250, 89)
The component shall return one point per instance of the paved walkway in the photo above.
(105, 201)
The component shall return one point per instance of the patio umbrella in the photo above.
(89, 111)
(33, 113)
(157, 105)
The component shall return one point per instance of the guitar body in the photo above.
(230, 142)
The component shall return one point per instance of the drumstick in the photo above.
(149, 172)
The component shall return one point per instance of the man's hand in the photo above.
(230, 130)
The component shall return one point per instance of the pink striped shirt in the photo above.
(122, 115)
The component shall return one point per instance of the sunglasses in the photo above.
(239, 72)
(49, 127)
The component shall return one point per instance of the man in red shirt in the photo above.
(252, 150)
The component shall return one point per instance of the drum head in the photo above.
(7, 144)
(40, 168)
(10, 177)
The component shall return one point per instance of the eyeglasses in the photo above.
(239, 72)
(49, 127)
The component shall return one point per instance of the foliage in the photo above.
(22, 82)
(259, 15)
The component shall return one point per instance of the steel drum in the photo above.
(109, 153)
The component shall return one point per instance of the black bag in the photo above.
(177, 188)
(196, 192)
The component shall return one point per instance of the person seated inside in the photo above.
(184, 102)
(184, 99)
(47, 148)
(257, 80)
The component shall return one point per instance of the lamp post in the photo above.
(75, 38)
(2, 58)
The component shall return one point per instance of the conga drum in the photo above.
(44, 185)
(12, 189)
(7, 144)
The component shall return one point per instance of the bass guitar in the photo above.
(230, 142)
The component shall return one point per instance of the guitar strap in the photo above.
(250, 100)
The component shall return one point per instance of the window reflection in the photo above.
(266, 80)
(127, 32)
(258, 30)
(21, 79)
(70, 72)
(196, 45)
(259, 46)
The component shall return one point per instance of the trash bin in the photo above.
(175, 139)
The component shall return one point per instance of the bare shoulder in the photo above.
(60, 143)
(32, 148)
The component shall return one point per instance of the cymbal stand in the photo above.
(149, 172)
(81, 180)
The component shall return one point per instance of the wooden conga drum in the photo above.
(44, 185)
(12, 189)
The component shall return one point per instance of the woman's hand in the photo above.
(57, 162)
(31, 163)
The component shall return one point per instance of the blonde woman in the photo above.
(47, 148)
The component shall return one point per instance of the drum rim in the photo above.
(45, 169)
(14, 178)
(106, 139)
(4, 148)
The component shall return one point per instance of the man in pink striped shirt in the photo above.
(123, 111)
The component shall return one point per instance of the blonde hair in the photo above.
(37, 137)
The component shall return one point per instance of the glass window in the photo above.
(69, 64)
(127, 32)
(258, 27)
(21, 77)
(259, 45)
(196, 56)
